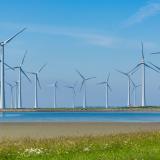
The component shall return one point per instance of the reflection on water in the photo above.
(1, 114)
(80, 117)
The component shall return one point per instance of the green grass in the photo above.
(138, 146)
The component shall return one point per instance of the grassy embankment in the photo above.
(137, 146)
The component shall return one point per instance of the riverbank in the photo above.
(69, 129)
(89, 109)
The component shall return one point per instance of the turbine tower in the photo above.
(107, 88)
(143, 65)
(72, 87)
(84, 80)
(2, 44)
(20, 72)
(37, 83)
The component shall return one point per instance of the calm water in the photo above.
(80, 117)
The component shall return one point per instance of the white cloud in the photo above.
(143, 13)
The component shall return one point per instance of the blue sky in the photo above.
(95, 37)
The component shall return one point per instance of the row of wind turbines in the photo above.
(18, 84)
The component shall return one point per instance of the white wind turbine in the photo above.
(12, 95)
(54, 85)
(143, 65)
(128, 75)
(84, 80)
(16, 94)
(37, 82)
(20, 72)
(72, 87)
(2, 44)
(107, 88)
(134, 91)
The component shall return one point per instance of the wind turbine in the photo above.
(20, 72)
(16, 94)
(84, 80)
(2, 44)
(107, 88)
(128, 75)
(143, 65)
(72, 87)
(55, 86)
(134, 91)
(37, 83)
(12, 96)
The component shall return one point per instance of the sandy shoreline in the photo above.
(57, 129)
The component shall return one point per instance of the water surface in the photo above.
(80, 117)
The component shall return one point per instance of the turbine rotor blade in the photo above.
(122, 72)
(8, 40)
(155, 53)
(90, 78)
(135, 70)
(68, 86)
(82, 84)
(154, 65)
(25, 75)
(80, 74)
(100, 83)
(142, 50)
(8, 66)
(138, 86)
(39, 83)
(31, 73)
(109, 87)
(24, 57)
(56, 84)
(132, 82)
(16, 67)
(42, 68)
(151, 67)
(136, 67)
(108, 77)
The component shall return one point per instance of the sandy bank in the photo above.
(53, 129)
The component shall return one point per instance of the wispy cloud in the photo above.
(149, 10)
(87, 36)
(93, 38)
(84, 35)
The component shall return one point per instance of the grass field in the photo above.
(136, 146)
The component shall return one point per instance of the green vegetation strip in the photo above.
(137, 146)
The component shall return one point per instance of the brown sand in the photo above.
(53, 129)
